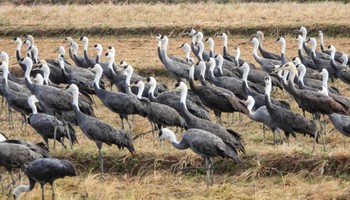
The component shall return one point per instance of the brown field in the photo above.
(281, 172)
(138, 17)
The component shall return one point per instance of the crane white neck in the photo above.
(128, 78)
(111, 61)
(18, 44)
(141, 89)
(29, 67)
(256, 46)
(187, 51)
(268, 88)
(46, 71)
(224, 36)
(61, 62)
(152, 87)
(20, 189)
(183, 91)
(75, 94)
(238, 55)
(211, 44)
(98, 76)
(194, 37)
(191, 75)
(285, 75)
(325, 78)
(99, 52)
(333, 50)
(250, 104)
(283, 46)
(320, 34)
(35, 53)
(5, 70)
(303, 32)
(246, 70)
(199, 37)
(5, 57)
(201, 50)
(345, 60)
(32, 106)
(165, 44)
(300, 42)
(39, 80)
(86, 44)
(221, 61)
(302, 69)
(202, 68)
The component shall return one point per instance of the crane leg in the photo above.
(344, 140)
(211, 171)
(2, 104)
(2, 185)
(67, 129)
(316, 135)
(127, 121)
(208, 172)
(13, 180)
(54, 137)
(53, 191)
(99, 146)
(10, 118)
(274, 137)
(324, 133)
(264, 129)
(42, 192)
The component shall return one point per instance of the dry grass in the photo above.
(244, 15)
(282, 172)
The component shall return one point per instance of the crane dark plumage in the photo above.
(14, 156)
(45, 125)
(40, 147)
(45, 170)
(203, 143)
(228, 136)
(99, 131)
(285, 119)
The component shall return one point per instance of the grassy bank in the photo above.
(146, 19)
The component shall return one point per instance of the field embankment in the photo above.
(147, 19)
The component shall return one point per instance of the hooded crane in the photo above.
(160, 114)
(288, 121)
(39, 147)
(264, 53)
(337, 54)
(266, 64)
(203, 143)
(178, 70)
(261, 115)
(121, 103)
(15, 99)
(48, 126)
(321, 63)
(90, 61)
(259, 98)
(230, 83)
(230, 137)
(45, 170)
(84, 84)
(172, 98)
(312, 101)
(340, 69)
(306, 60)
(14, 156)
(215, 98)
(52, 98)
(99, 131)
